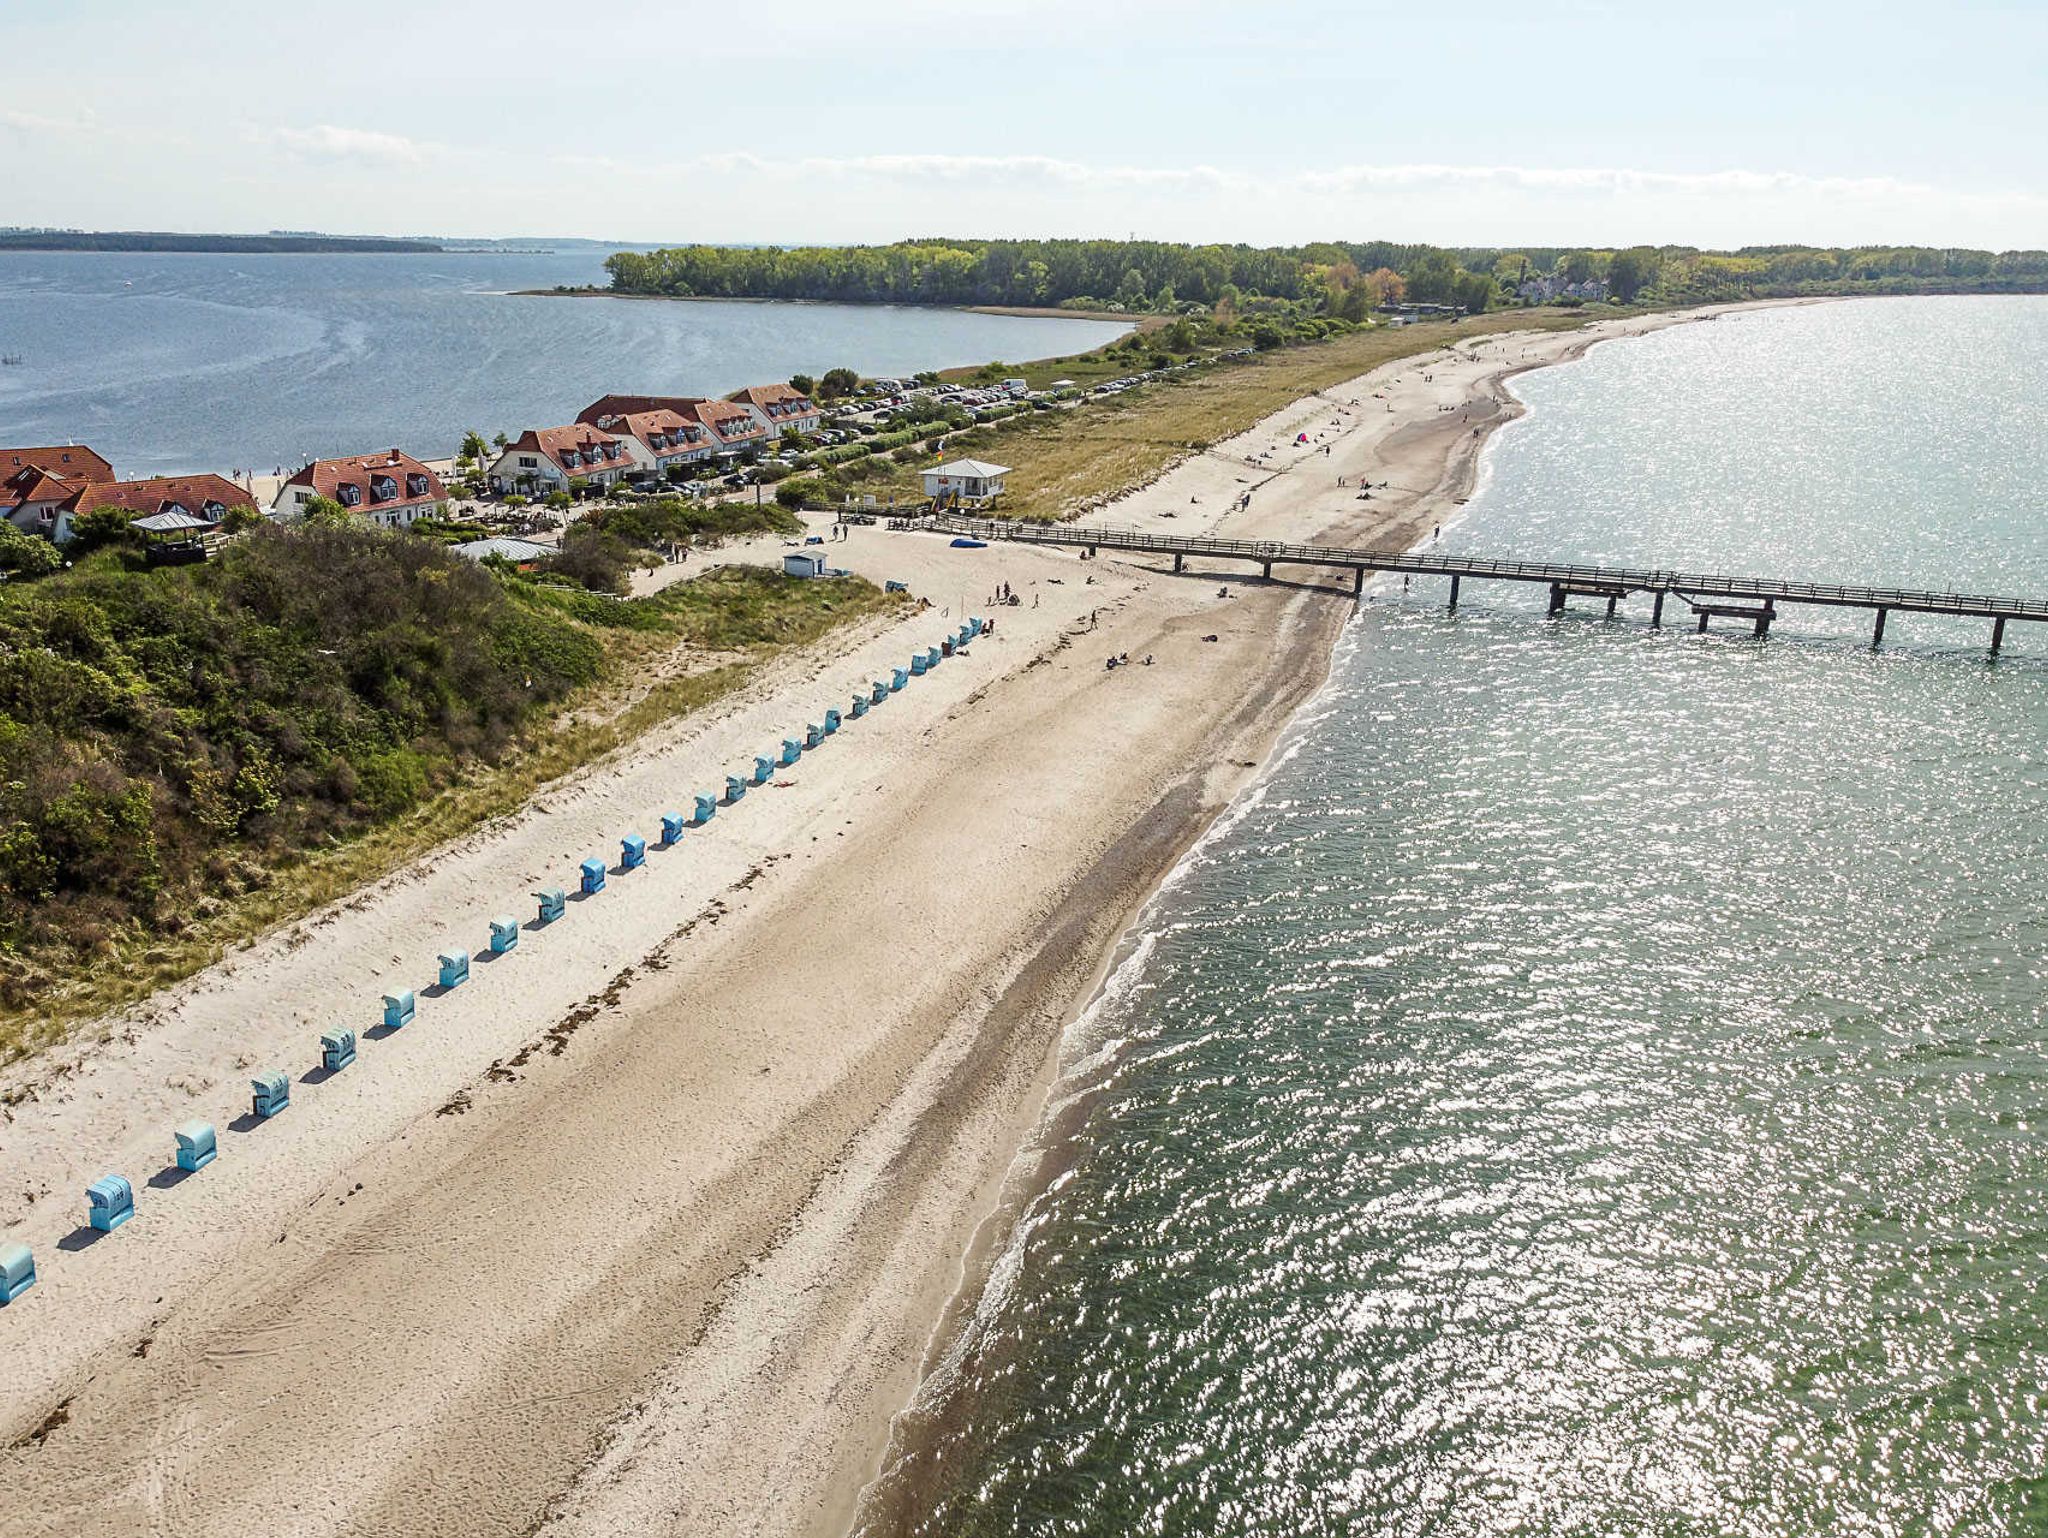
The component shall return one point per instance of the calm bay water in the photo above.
(1596, 1084)
(187, 361)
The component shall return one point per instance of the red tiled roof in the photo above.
(144, 498)
(726, 420)
(69, 461)
(577, 437)
(644, 424)
(326, 477)
(603, 411)
(35, 484)
(779, 400)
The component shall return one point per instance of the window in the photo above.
(349, 494)
(415, 485)
(382, 488)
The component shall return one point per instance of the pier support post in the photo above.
(1877, 633)
(1657, 611)
(1180, 561)
(1611, 602)
(1556, 597)
(1454, 592)
(1703, 622)
(1997, 634)
(1266, 570)
(1357, 581)
(1763, 619)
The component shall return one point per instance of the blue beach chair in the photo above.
(632, 852)
(197, 1146)
(337, 1050)
(671, 829)
(764, 770)
(593, 876)
(272, 1093)
(931, 657)
(881, 692)
(17, 1272)
(813, 736)
(454, 968)
(832, 720)
(792, 750)
(918, 665)
(860, 706)
(735, 787)
(707, 808)
(897, 679)
(109, 1202)
(504, 934)
(398, 1008)
(554, 902)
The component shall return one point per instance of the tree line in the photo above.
(1344, 279)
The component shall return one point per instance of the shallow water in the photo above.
(1595, 1084)
(205, 361)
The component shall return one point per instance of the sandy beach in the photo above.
(647, 1227)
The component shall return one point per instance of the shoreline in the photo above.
(716, 1213)
(891, 1500)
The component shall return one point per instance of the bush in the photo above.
(162, 728)
(26, 555)
(102, 526)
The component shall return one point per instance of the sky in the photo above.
(1264, 121)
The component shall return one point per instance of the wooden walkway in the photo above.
(1707, 595)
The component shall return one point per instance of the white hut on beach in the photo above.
(965, 480)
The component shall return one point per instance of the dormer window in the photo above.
(415, 485)
(349, 494)
(382, 488)
(215, 510)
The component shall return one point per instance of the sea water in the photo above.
(1597, 1082)
(188, 361)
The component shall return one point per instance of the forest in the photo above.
(1338, 278)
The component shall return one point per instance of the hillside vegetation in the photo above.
(188, 752)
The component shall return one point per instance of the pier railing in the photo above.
(1565, 580)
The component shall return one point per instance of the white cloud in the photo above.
(36, 123)
(327, 142)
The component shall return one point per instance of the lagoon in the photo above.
(208, 361)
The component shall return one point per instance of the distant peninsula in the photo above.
(157, 240)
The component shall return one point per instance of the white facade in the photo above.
(971, 480)
(807, 424)
(535, 472)
(651, 461)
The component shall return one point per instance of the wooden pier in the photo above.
(1754, 601)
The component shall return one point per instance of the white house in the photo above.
(779, 406)
(657, 441)
(545, 459)
(390, 489)
(965, 480)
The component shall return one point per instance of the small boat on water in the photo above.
(11, 359)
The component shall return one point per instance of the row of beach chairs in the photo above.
(110, 1200)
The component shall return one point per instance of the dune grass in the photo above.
(665, 657)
